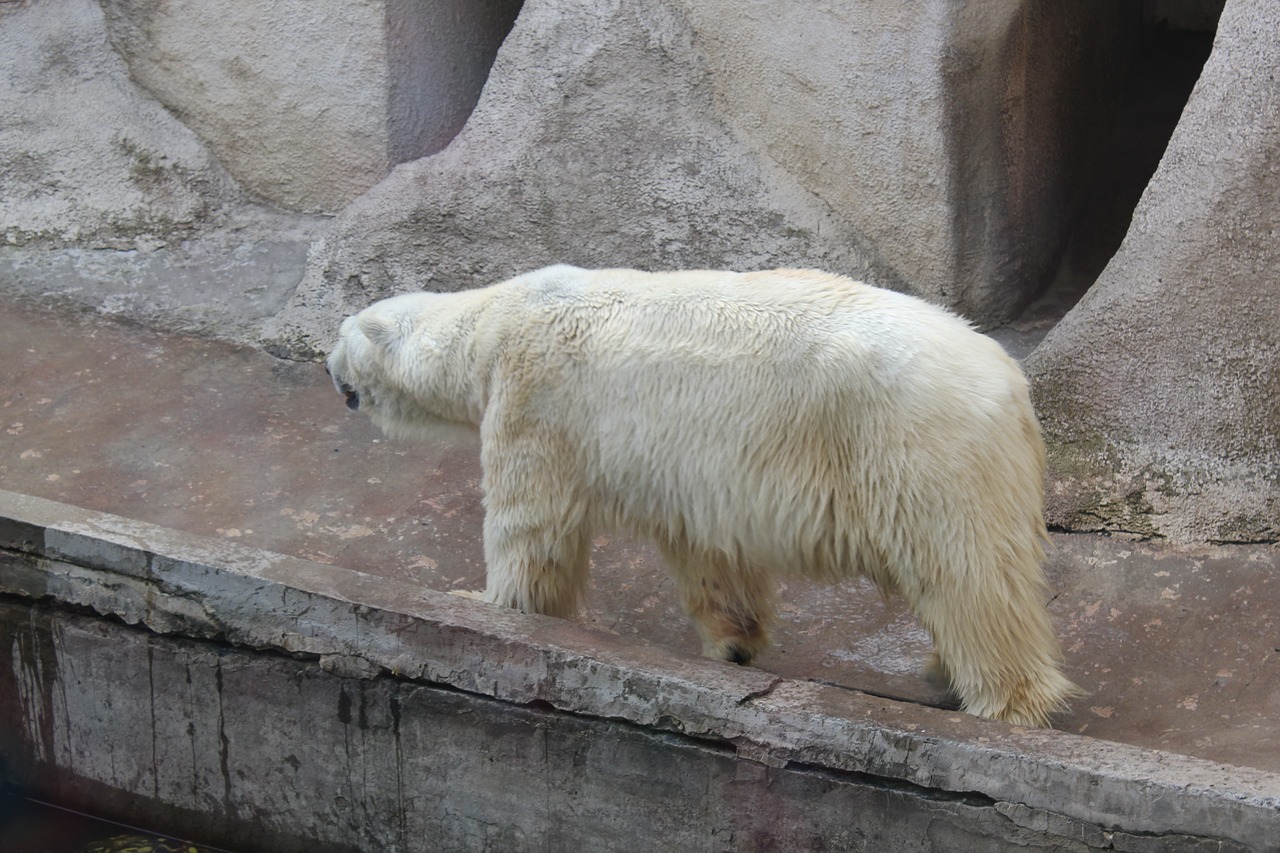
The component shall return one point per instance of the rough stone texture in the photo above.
(224, 282)
(388, 675)
(955, 138)
(1160, 391)
(108, 203)
(912, 146)
(87, 158)
(310, 103)
(258, 752)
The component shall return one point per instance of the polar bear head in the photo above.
(405, 362)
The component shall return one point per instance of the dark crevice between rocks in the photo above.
(1163, 69)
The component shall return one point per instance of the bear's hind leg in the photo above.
(997, 649)
(730, 605)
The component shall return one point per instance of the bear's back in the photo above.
(746, 409)
(811, 323)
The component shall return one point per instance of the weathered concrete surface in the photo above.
(898, 145)
(227, 281)
(1174, 647)
(87, 158)
(310, 103)
(274, 754)
(1160, 391)
(369, 757)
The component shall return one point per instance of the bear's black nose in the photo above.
(353, 397)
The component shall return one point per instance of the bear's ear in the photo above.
(384, 330)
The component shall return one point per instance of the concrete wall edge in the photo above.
(358, 625)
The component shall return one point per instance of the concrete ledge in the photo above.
(357, 629)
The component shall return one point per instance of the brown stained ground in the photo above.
(1179, 650)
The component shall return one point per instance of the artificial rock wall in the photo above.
(1160, 391)
(85, 157)
(907, 146)
(310, 103)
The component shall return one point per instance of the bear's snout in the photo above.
(353, 397)
(344, 389)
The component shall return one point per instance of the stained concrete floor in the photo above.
(1178, 649)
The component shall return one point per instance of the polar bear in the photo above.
(749, 424)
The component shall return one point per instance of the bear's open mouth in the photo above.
(353, 397)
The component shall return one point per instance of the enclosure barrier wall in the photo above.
(263, 702)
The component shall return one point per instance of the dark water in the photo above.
(29, 826)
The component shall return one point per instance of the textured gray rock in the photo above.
(896, 145)
(109, 203)
(268, 752)
(224, 281)
(1160, 391)
(310, 103)
(87, 158)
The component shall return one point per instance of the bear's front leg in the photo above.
(536, 542)
(535, 568)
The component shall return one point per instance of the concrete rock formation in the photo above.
(85, 157)
(896, 144)
(1160, 391)
(310, 103)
